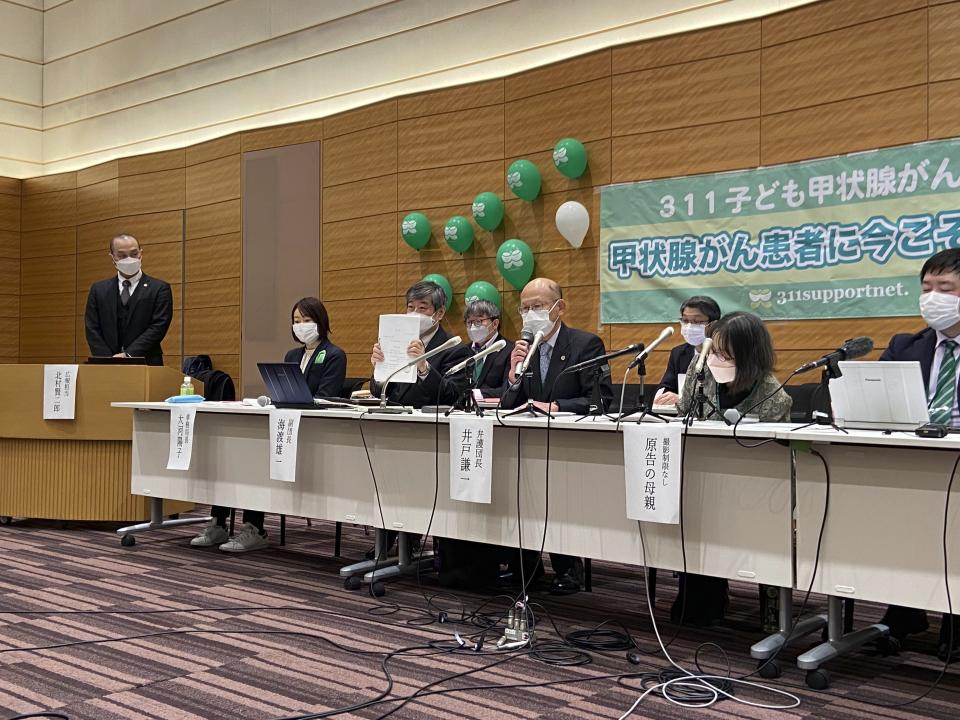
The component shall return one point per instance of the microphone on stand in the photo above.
(496, 347)
(853, 348)
(704, 351)
(664, 334)
(452, 342)
(603, 359)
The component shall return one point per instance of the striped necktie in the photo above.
(945, 397)
(545, 352)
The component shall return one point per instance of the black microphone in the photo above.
(850, 349)
(527, 337)
(602, 359)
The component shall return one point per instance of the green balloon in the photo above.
(523, 179)
(482, 290)
(570, 157)
(515, 260)
(488, 210)
(440, 280)
(459, 233)
(415, 230)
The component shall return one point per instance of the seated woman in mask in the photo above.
(738, 374)
(324, 366)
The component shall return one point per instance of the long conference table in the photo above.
(748, 514)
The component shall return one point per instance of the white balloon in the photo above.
(573, 221)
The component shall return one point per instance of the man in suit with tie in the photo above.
(482, 319)
(549, 389)
(128, 315)
(427, 301)
(937, 349)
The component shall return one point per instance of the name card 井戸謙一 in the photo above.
(471, 458)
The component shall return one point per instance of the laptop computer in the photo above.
(286, 385)
(874, 395)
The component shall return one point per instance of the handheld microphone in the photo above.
(522, 368)
(601, 359)
(452, 342)
(527, 337)
(644, 352)
(850, 349)
(263, 401)
(496, 347)
(704, 351)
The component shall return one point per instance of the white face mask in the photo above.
(129, 266)
(723, 371)
(478, 333)
(426, 321)
(940, 310)
(539, 321)
(693, 333)
(306, 332)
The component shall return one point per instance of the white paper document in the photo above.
(471, 458)
(60, 392)
(651, 463)
(395, 335)
(182, 420)
(284, 432)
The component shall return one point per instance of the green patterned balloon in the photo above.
(482, 290)
(415, 230)
(458, 233)
(570, 157)
(488, 210)
(515, 260)
(523, 179)
(442, 282)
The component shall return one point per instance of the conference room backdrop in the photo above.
(833, 77)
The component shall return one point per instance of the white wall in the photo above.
(122, 77)
(21, 87)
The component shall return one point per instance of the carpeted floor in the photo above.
(229, 662)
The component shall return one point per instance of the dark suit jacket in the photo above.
(571, 391)
(424, 392)
(149, 313)
(919, 347)
(678, 363)
(326, 371)
(493, 374)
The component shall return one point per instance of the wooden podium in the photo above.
(76, 469)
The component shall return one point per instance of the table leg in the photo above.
(156, 522)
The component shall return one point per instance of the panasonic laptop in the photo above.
(286, 385)
(874, 395)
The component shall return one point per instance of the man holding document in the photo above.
(403, 338)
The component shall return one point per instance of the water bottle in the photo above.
(187, 387)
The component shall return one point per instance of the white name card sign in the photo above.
(60, 392)
(651, 462)
(182, 420)
(284, 433)
(471, 458)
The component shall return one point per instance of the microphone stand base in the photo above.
(389, 410)
(529, 408)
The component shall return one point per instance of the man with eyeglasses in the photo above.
(549, 389)
(128, 315)
(482, 319)
(695, 314)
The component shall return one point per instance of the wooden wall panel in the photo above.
(281, 135)
(944, 108)
(98, 173)
(451, 138)
(462, 97)
(558, 75)
(944, 49)
(359, 155)
(205, 332)
(150, 192)
(357, 243)
(537, 122)
(213, 149)
(217, 219)
(846, 63)
(823, 17)
(213, 258)
(457, 185)
(10, 276)
(10, 212)
(154, 162)
(51, 274)
(150, 229)
(373, 281)
(687, 47)
(213, 181)
(47, 243)
(360, 119)
(54, 337)
(48, 210)
(50, 183)
(212, 293)
(98, 201)
(359, 199)
(10, 198)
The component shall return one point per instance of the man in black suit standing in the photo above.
(428, 301)
(482, 319)
(937, 349)
(128, 315)
(549, 389)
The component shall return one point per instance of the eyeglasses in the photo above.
(524, 309)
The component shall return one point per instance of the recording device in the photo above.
(704, 351)
(536, 340)
(932, 430)
(853, 348)
(603, 359)
(452, 342)
(644, 352)
(496, 347)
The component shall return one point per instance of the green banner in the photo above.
(837, 237)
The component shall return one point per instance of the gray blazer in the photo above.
(774, 409)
